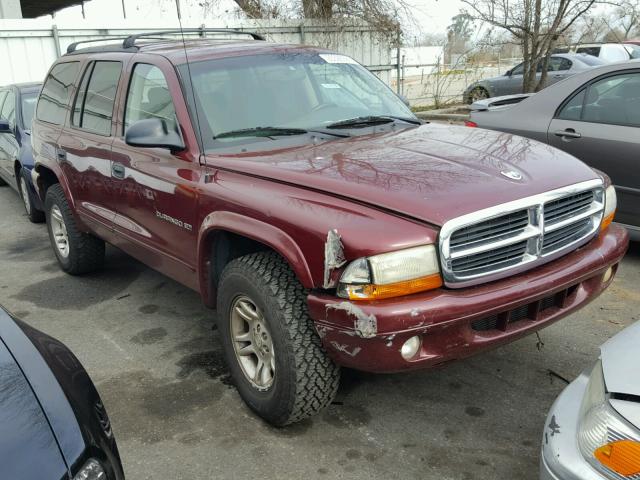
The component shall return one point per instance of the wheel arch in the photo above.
(225, 236)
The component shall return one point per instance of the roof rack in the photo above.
(131, 40)
(74, 46)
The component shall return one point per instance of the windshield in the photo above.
(28, 107)
(307, 91)
(590, 60)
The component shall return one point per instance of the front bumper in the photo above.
(560, 458)
(454, 324)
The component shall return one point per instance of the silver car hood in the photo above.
(494, 103)
(621, 361)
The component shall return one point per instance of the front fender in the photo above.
(257, 230)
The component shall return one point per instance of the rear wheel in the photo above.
(77, 252)
(273, 351)
(478, 93)
(35, 215)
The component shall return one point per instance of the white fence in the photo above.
(29, 47)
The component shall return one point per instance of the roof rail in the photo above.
(131, 40)
(74, 46)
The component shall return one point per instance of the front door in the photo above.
(156, 190)
(85, 144)
(600, 125)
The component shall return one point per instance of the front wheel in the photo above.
(77, 252)
(35, 215)
(273, 351)
(478, 93)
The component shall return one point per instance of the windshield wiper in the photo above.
(273, 132)
(371, 120)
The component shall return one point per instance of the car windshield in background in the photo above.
(29, 101)
(305, 91)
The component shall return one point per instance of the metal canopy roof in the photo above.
(37, 8)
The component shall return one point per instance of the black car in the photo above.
(52, 422)
(17, 104)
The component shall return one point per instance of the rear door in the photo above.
(9, 147)
(84, 147)
(155, 190)
(557, 70)
(600, 124)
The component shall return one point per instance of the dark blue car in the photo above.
(52, 422)
(17, 104)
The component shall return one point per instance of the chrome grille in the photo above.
(505, 239)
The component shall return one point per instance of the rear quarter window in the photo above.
(54, 98)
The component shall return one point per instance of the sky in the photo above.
(431, 16)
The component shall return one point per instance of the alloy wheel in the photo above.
(59, 230)
(252, 343)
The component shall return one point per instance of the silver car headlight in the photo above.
(391, 274)
(606, 440)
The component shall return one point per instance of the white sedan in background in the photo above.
(593, 428)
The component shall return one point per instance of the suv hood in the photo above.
(431, 173)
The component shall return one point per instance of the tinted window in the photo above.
(9, 109)
(573, 109)
(614, 100)
(53, 101)
(28, 107)
(595, 51)
(518, 70)
(94, 106)
(149, 97)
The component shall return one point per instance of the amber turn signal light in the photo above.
(623, 457)
(606, 221)
(398, 289)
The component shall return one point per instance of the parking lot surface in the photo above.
(153, 352)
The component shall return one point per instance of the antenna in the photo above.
(201, 158)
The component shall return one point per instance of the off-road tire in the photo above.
(305, 379)
(86, 252)
(34, 215)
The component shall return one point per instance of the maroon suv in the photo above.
(325, 223)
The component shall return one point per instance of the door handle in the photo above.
(568, 133)
(61, 155)
(117, 170)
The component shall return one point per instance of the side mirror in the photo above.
(153, 133)
(509, 73)
(405, 100)
(4, 126)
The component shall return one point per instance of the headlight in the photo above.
(391, 274)
(610, 205)
(605, 439)
(92, 470)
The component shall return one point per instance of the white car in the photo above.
(608, 52)
(593, 428)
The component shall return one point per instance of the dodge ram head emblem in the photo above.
(512, 174)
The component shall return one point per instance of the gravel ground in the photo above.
(151, 348)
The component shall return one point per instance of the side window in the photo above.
(557, 64)
(93, 109)
(149, 97)
(518, 70)
(9, 109)
(614, 100)
(53, 101)
(573, 109)
(3, 94)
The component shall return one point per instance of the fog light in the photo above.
(92, 470)
(410, 348)
(607, 275)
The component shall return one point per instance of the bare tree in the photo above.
(535, 24)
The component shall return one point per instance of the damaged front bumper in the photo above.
(560, 456)
(454, 324)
